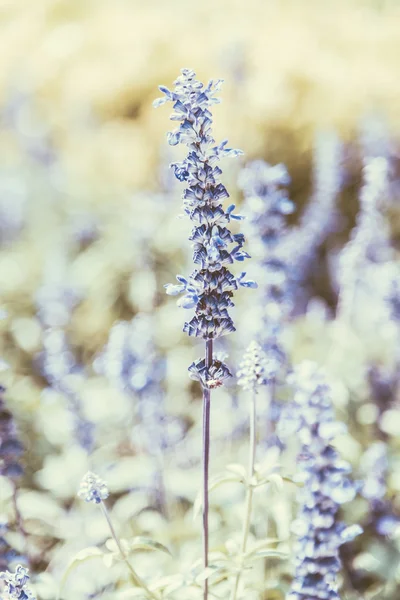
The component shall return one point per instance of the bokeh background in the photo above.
(89, 234)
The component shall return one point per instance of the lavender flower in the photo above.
(211, 377)
(16, 584)
(93, 488)
(267, 207)
(326, 487)
(210, 288)
(369, 239)
(129, 360)
(319, 219)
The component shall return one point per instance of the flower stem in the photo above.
(250, 489)
(137, 580)
(206, 458)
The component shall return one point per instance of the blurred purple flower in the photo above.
(326, 486)
(267, 206)
(57, 361)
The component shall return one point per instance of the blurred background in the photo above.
(94, 358)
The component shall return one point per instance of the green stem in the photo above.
(137, 580)
(250, 490)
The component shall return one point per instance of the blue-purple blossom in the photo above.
(210, 377)
(369, 241)
(16, 585)
(326, 486)
(93, 488)
(130, 363)
(267, 206)
(319, 218)
(209, 289)
(129, 360)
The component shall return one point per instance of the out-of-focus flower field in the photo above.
(94, 362)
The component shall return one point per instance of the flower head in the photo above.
(326, 487)
(16, 584)
(212, 376)
(255, 369)
(210, 287)
(93, 488)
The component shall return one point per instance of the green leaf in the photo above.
(144, 543)
(253, 556)
(79, 558)
(276, 481)
(262, 545)
(214, 482)
(168, 584)
(291, 479)
(132, 593)
(238, 469)
(208, 571)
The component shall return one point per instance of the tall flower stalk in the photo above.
(210, 287)
(94, 489)
(252, 373)
(267, 206)
(326, 487)
(369, 239)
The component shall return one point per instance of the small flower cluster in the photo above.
(211, 377)
(326, 487)
(255, 368)
(209, 289)
(93, 488)
(16, 584)
(11, 448)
